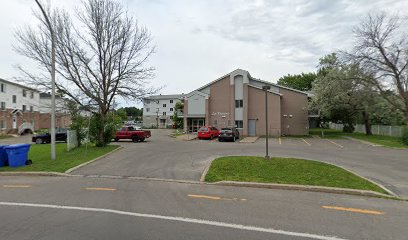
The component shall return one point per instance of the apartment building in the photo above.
(158, 110)
(22, 109)
(238, 100)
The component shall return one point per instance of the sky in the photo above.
(202, 40)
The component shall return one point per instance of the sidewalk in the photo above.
(249, 140)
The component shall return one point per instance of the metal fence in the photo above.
(393, 131)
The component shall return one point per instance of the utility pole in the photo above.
(52, 33)
(266, 88)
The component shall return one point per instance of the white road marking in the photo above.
(178, 219)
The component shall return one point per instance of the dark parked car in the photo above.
(60, 135)
(228, 134)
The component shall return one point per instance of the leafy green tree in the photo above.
(122, 114)
(106, 126)
(302, 82)
(179, 121)
(340, 94)
(78, 122)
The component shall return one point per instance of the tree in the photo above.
(178, 120)
(339, 94)
(381, 49)
(99, 57)
(302, 82)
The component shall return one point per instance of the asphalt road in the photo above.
(168, 158)
(102, 208)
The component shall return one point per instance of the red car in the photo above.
(208, 132)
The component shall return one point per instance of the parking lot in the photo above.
(164, 157)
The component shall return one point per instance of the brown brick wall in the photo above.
(220, 103)
(256, 110)
(295, 104)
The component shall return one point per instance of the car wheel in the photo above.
(39, 141)
(219, 140)
(142, 139)
(135, 139)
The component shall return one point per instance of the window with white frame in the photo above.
(2, 124)
(14, 99)
(31, 109)
(2, 87)
(147, 102)
(171, 101)
(164, 113)
(3, 106)
(24, 93)
(147, 109)
(171, 109)
(239, 124)
(31, 94)
(24, 108)
(164, 105)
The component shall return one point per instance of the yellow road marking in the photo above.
(204, 196)
(338, 145)
(215, 197)
(101, 189)
(16, 186)
(356, 210)
(280, 141)
(306, 142)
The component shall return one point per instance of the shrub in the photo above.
(348, 128)
(405, 135)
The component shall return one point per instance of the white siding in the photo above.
(11, 89)
(196, 104)
(153, 106)
(239, 95)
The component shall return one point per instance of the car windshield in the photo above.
(203, 129)
(226, 130)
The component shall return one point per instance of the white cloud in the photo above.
(199, 41)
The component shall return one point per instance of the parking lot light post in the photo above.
(266, 88)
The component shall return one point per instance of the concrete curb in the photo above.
(364, 142)
(202, 178)
(307, 188)
(93, 160)
(45, 174)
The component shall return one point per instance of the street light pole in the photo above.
(266, 88)
(52, 33)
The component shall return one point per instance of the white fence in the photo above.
(393, 131)
(72, 141)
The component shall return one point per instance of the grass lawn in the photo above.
(376, 139)
(285, 171)
(40, 155)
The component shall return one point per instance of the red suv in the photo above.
(208, 132)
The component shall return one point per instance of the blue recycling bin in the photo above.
(17, 154)
(3, 156)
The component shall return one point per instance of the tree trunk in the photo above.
(101, 142)
(367, 123)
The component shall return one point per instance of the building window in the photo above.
(158, 102)
(32, 123)
(164, 113)
(239, 103)
(31, 94)
(164, 105)
(2, 124)
(24, 108)
(147, 102)
(171, 117)
(31, 109)
(171, 109)
(14, 99)
(171, 101)
(239, 124)
(2, 87)
(147, 109)
(3, 106)
(24, 93)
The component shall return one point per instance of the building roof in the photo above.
(18, 85)
(252, 78)
(160, 97)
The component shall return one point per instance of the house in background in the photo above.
(158, 110)
(23, 109)
(237, 100)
